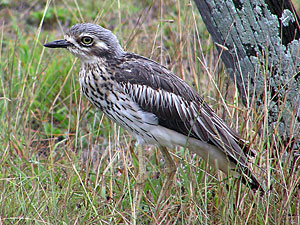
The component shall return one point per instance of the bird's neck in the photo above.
(91, 60)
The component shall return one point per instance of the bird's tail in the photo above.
(248, 178)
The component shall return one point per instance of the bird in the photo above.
(154, 105)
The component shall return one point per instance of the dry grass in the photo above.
(62, 161)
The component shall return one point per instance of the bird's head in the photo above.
(89, 42)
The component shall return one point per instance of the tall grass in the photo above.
(63, 162)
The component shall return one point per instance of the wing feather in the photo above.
(176, 105)
(179, 107)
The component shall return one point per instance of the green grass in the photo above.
(63, 162)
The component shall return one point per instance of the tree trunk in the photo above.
(262, 54)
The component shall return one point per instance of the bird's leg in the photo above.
(140, 180)
(171, 171)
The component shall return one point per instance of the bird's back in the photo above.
(148, 100)
(177, 106)
(161, 99)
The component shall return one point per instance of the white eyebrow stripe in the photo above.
(101, 44)
(98, 43)
(86, 34)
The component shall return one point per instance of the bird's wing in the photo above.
(176, 105)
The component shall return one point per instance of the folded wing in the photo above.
(179, 107)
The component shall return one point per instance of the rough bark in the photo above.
(262, 53)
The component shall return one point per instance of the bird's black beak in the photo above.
(58, 44)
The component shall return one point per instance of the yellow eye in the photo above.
(86, 40)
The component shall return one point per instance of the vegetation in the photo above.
(63, 162)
